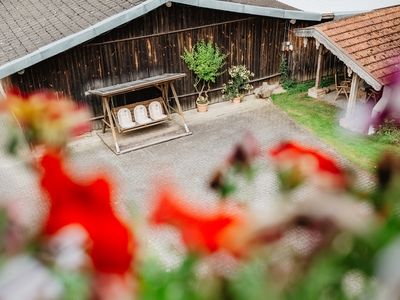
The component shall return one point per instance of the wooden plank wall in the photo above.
(6, 84)
(303, 59)
(152, 45)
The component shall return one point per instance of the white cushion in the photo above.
(140, 113)
(156, 111)
(125, 118)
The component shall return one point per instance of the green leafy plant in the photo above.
(205, 60)
(283, 69)
(238, 83)
(286, 82)
(390, 132)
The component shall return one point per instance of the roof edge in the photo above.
(339, 53)
(128, 15)
(304, 32)
(79, 37)
(253, 9)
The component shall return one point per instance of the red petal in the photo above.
(290, 151)
(200, 231)
(87, 204)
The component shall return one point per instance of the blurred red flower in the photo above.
(89, 205)
(309, 163)
(202, 232)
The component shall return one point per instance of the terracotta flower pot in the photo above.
(237, 100)
(202, 107)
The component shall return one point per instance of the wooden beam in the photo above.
(319, 67)
(178, 105)
(2, 92)
(355, 82)
(106, 103)
(169, 32)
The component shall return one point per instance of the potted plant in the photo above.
(205, 60)
(238, 84)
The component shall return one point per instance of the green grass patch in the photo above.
(322, 119)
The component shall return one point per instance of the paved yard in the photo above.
(188, 161)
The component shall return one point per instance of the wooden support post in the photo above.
(106, 103)
(164, 90)
(166, 87)
(349, 121)
(178, 105)
(355, 82)
(104, 114)
(317, 91)
(2, 92)
(319, 67)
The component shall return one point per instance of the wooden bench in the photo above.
(131, 107)
(163, 82)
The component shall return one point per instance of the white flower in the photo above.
(68, 247)
(388, 271)
(25, 278)
(353, 284)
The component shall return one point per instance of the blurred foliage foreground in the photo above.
(320, 237)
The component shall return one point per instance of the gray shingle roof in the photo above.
(264, 3)
(27, 25)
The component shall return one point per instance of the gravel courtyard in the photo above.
(189, 161)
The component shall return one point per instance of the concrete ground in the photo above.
(340, 102)
(188, 161)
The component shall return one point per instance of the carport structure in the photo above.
(368, 44)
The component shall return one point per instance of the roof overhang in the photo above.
(348, 60)
(253, 9)
(128, 15)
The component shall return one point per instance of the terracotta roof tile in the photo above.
(372, 40)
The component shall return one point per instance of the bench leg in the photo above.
(178, 105)
(106, 103)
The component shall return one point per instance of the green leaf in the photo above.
(205, 60)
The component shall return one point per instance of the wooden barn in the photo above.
(77, 46)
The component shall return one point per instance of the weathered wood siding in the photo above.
(5, 85)
(152, 45)
(303, 59)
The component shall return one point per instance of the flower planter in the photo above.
(237, 100)
(202, 107)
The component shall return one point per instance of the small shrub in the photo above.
(284, 70)
(205, 60)
(288, 84)
(238, 83)
(390, 131)
(285, 80)
(293, 87)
